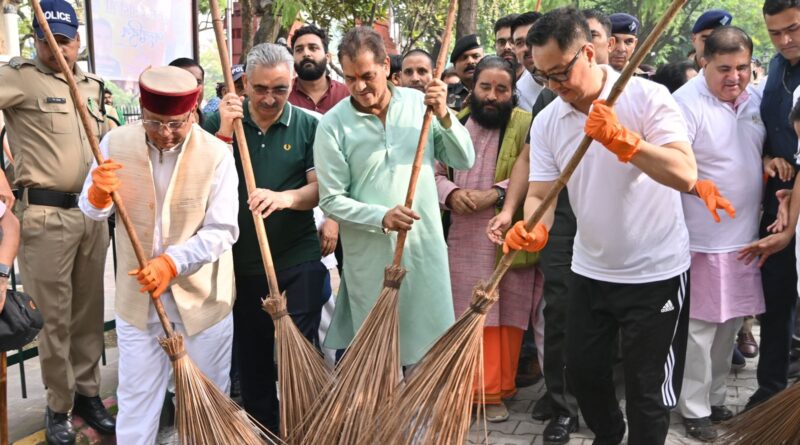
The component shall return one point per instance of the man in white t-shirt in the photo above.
(723, 119)
(527, 89)
(631, 254)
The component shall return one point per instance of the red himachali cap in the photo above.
(168, 90)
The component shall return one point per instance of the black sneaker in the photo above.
(720, 414)
(701, 429)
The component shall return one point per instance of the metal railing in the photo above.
(19, 357)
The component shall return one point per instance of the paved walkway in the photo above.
(26, 416)
(521, 429)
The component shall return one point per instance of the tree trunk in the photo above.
(268, 29)
(467, 18)
(247, 28)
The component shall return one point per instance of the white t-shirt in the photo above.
(527, 91)
(727, 145)
(630, 228)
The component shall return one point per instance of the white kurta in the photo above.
(630, 227)
(144, 369)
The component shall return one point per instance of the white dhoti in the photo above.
(145, 371)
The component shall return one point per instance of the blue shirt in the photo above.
(781, 138)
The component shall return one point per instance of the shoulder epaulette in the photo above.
(18, 62)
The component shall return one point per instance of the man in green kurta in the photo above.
(363, 151)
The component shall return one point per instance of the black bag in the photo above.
(20, 321)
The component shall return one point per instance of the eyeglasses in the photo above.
(274, 92)
(171, 125)
(558, 77)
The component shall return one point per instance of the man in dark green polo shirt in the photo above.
(279, 137)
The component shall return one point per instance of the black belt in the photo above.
(53, 198)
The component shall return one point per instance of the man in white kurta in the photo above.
(723, 118)
(179, 185)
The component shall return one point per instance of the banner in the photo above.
(130, 35)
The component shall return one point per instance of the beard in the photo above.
(309, 69)
(491, 119)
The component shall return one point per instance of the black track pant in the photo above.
(653, 320)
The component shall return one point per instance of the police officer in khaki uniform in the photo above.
(62, 253)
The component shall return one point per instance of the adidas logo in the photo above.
(667, 307)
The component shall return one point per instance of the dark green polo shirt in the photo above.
(281, 158)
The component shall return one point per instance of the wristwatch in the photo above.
(501, 197)
(5, 271)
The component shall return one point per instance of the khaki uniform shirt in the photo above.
(47, 139)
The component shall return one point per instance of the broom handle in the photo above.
(122, 213)
(3, 397)
(561, 182)
(244, 154)
(538, 6)
(426, 126)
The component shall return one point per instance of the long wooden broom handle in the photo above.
(561, 182)
(426, 126)
(244, 153)
(122, 213)
(538, 6)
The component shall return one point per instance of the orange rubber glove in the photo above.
(156, 275)
(520, 239)
(104, 181)
(603, 126)
(707, 191)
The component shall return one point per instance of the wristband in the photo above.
(224, 138)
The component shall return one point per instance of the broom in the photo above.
(370, 369)
(302, 371)
(3, 399)
(204, 415)
(775, 421)
(434, 404)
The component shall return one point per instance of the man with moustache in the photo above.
(313, 89)
(417, 69)
(467, 52)
(363, 149)
(722, 114)
(62, 252)
(504, 44)
(498, 130)
(179, 185)
(528, 90)
(624, 32)
(280, 138)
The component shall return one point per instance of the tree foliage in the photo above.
(420, 22)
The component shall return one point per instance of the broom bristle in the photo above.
(364, 379)
(203, 414)
(302, 372)
(776, 421)
(435, 404)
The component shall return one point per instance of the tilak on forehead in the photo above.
(168, 90)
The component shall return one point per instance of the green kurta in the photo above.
(363, 169)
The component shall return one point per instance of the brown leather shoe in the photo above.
(747, 344)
